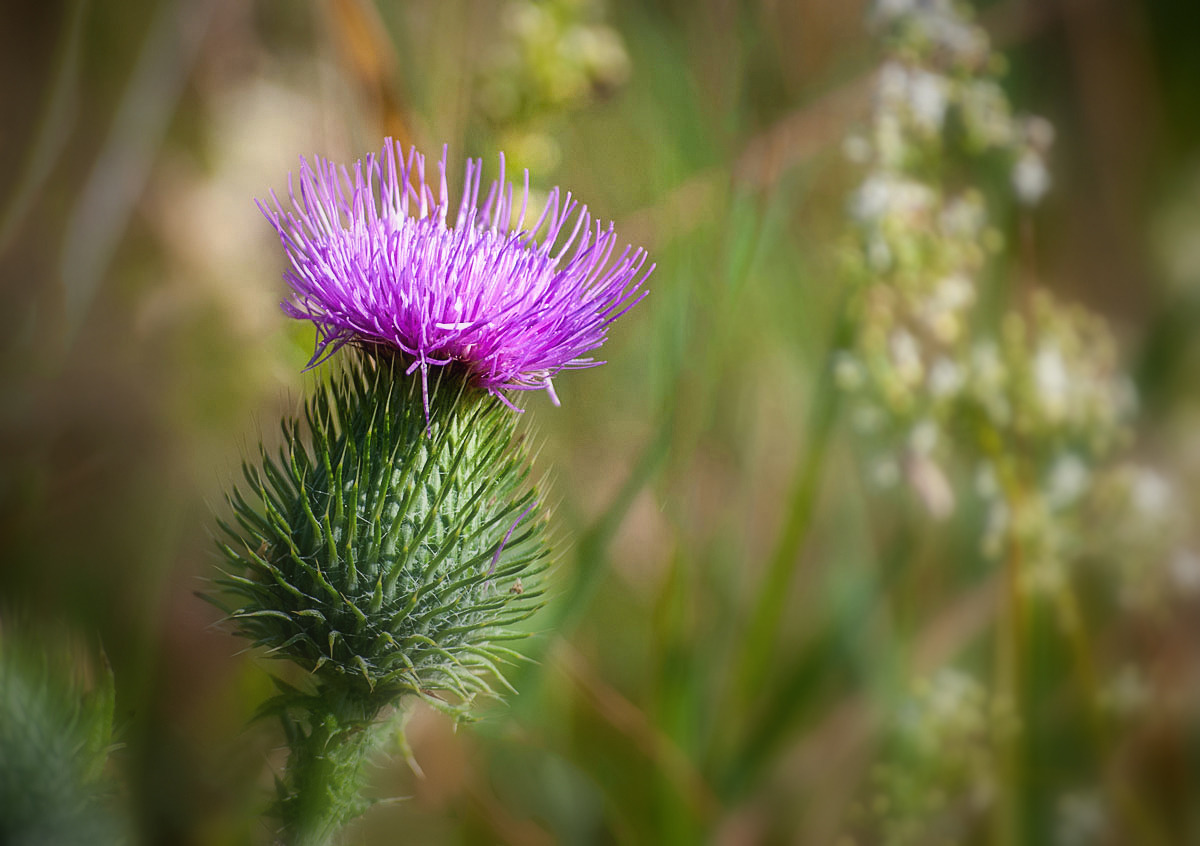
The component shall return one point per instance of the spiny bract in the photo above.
(383, 552)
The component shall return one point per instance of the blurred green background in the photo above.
(143, 354)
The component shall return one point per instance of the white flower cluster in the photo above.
(1147, 547)
(550, 57)
(922, 245)
(941, 64)
(932, 375)
(941, 755)
(1030, 399)
(936, 26)
(1058, 382)
(951, 377)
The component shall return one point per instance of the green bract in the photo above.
(388, 549)
(56, 732)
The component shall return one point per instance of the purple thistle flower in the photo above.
(374, 263)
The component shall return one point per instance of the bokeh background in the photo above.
(143, 354)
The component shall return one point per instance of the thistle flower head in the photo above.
(388, 550)
(375, 263)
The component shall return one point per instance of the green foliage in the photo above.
(55, 737)
(387, 549)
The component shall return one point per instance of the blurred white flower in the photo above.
(928, 98)
(1151, 492)
(930, 484)
(1068, 479)
(906, 357)
(923, 437)
(879, 254)
(986, 113)
(945, 378)
(889, 195)
(889, 9)
(848, 371)
(1185, 570)
(1030, 178)
(963, 217)
(891, 88)
(1051, 380)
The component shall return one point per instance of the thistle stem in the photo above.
(321, 790)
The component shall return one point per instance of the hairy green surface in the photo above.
(384, 551)
(55, 737)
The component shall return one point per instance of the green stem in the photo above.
(326, 771)
(757, 651)
(1009, 643)
(1009, 820)
(1137, 819)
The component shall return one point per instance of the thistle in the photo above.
(509, 311)
(56, 733)
(394, 543)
